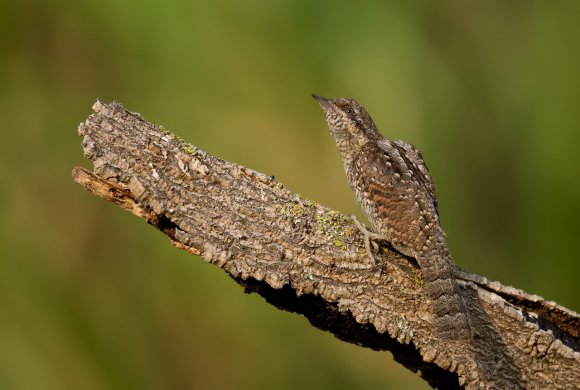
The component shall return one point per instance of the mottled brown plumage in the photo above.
(395, 190)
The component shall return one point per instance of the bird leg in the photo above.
(368, 237)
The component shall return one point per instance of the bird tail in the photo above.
(450, 315)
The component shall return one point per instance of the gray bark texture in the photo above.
(305, 258)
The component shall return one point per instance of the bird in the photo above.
(395, 190)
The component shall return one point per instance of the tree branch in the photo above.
(308, 259)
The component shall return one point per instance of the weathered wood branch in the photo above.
(305, 258)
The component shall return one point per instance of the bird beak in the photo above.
(326, 104)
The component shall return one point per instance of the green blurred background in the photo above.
(93, 298)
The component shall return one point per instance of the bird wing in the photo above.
(412, 158)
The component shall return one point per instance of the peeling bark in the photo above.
(305, 258)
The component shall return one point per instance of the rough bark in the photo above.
(308, 259)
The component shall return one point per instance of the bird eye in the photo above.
(349, 110)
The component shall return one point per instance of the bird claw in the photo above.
(368, 237)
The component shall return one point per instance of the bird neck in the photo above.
(350, 145)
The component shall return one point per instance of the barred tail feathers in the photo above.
(450, 316)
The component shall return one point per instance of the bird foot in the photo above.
(368, 237)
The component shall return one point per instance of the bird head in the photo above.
(349, 123)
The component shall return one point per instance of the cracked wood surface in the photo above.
(305, 258)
